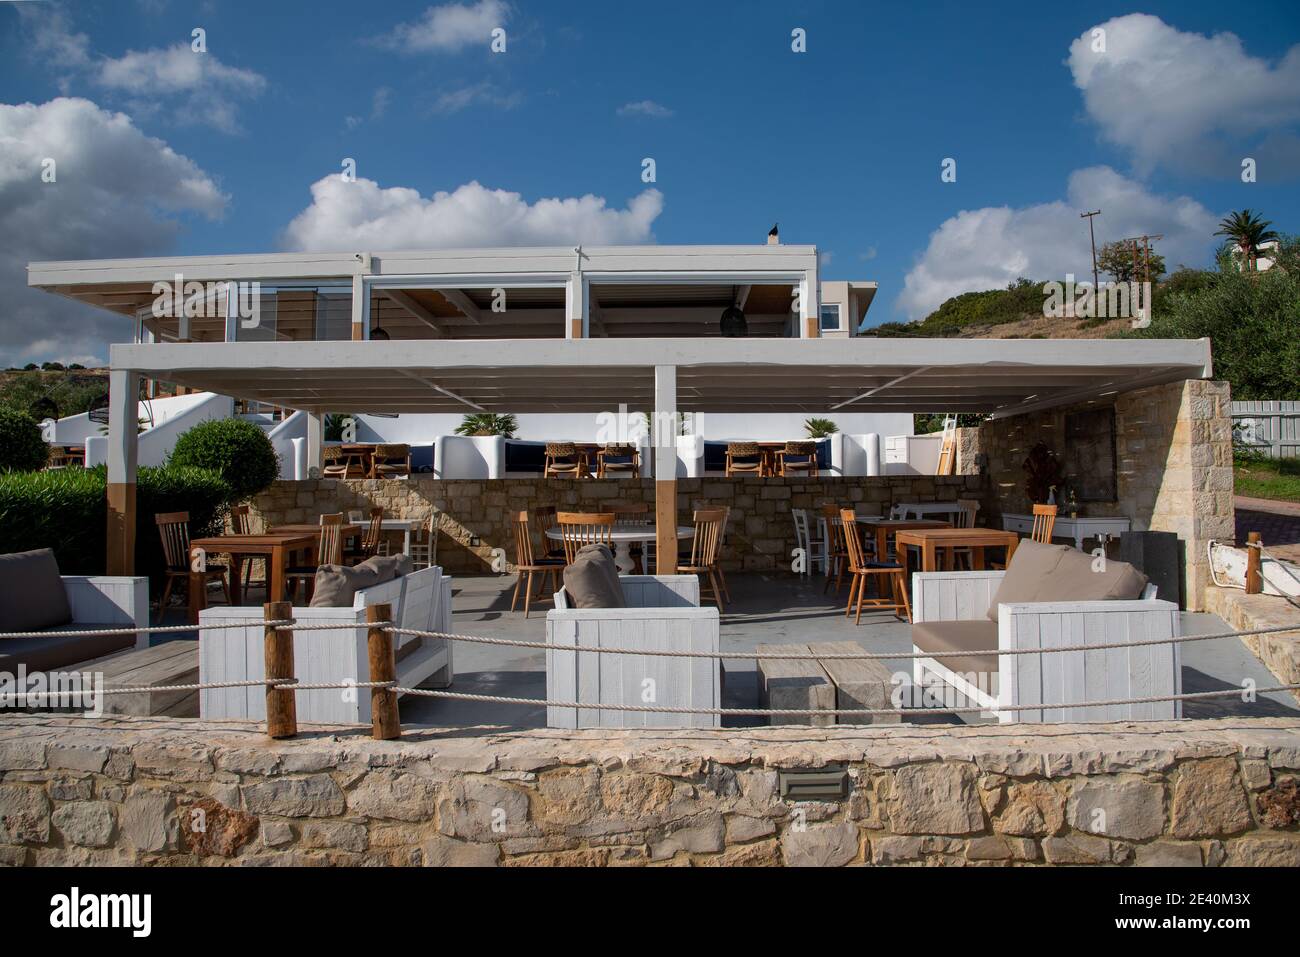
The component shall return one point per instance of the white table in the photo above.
(623, 536)
(926, 509)
(1100, 527)
(403, 525)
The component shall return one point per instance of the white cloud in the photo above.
(363, 215)
(1188, 100)
(208, 88)
(645, 108)
(868, 255)
(480, 94)
(117, 193)
(990, 247)
(449, 28)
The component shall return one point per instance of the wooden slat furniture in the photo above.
(1044, 521)
(703, 557)
(171, 663)
(885, 528)
(837, 555)
(1079, 529)
(527, 565)
(564, 460)
(617, 459)
(329, 551)
(744, 458)
(275, 546)
(622, 537)
(368, 547)
(794, 684)
(390, 461)
(882, 572)
(174, 531)
(334, 464)
(931, 541)
(241, 523)
(544, 517)
(797, 458)
(584, 528)
(634, 513)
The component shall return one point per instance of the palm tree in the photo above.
(488, 423)
(1248, 231)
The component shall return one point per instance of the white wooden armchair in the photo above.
(998, 680)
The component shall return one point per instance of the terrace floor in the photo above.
(766, 609)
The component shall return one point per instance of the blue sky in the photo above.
(842, 144)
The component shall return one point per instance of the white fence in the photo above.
(1271, 427)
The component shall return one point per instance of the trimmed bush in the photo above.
(21, 447)
(66, 511)
(236, 450)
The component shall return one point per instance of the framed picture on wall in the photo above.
(1090, 454)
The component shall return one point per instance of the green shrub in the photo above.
(237, 450)
(66, 511)
(21, 447)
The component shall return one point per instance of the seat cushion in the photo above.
(389, 567)
(1076, 579)
(1029, 567)
(32, 597)
(591, 579)
(335, 586)
(53, 651)
(937, 638)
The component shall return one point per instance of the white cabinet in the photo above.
(912, 454)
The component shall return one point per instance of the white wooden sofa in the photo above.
(421, 600)
(663, 614)
(950, 613)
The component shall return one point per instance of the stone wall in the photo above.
(472, 515)
(1173, 451)
(165, 791)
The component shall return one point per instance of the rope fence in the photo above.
(281, 686)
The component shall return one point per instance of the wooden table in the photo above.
(275, 547)
(930, 540)
(358, 457)
(884, 527)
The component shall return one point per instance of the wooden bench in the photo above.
(859, 683)
(171, 663)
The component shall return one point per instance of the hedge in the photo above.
(22, 448)
(66, 510)
(238, 450)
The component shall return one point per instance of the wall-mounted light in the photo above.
(733, 323)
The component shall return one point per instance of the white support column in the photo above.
(664, 440)
(123, 444)
(577, 307)
(360, 309)
(810, 304)
(315, 441)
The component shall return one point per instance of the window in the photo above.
(831, 317)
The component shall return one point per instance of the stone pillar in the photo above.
(123, 444)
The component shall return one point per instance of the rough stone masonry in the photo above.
(170, 791)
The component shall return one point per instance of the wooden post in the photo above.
(385, 724)
(664, 442)
(281, 704)
(123, 441)
(1254, 580)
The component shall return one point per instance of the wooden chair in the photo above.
(797, 458)
(563, 460)
(174, 530)
(334, 464)
(837, 554)
(584, 528)
(329, 551)
(861, 570)
(634, 513)
(1044, 522)
(526, 564)
(808, 534)
(241, 523)
(545, 519)
(703, 557)
(618, 459)
(964, 519)
(391, 461)
(370, 539)
(744, 458)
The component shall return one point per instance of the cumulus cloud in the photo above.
(990, 247)
(645, 108)
(1187, 100)
(449, 28)
(363, 215)
(116, 193)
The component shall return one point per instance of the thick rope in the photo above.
(286, 624)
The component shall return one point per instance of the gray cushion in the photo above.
(53, 652)
(1075, 579)
(32, 596)
(1029, 567)
(591, 579)
(389, 566)
(939, 637)
(335, 586)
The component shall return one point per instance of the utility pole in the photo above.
(1093, 239)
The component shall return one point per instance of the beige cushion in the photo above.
(1029, 567)
(389, 566)
(591, 579)
(336, 585)
(32, 596)
(938, 637)
(1074, 579)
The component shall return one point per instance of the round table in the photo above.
(623, 536)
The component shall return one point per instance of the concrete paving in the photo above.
(766, 609)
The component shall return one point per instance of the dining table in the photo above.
(275, 547)
(622, 536)
(930, 541)
(359, 459)
(883, 528)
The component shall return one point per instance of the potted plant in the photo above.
(488, 423)
(1043, 473)
(820, 428)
